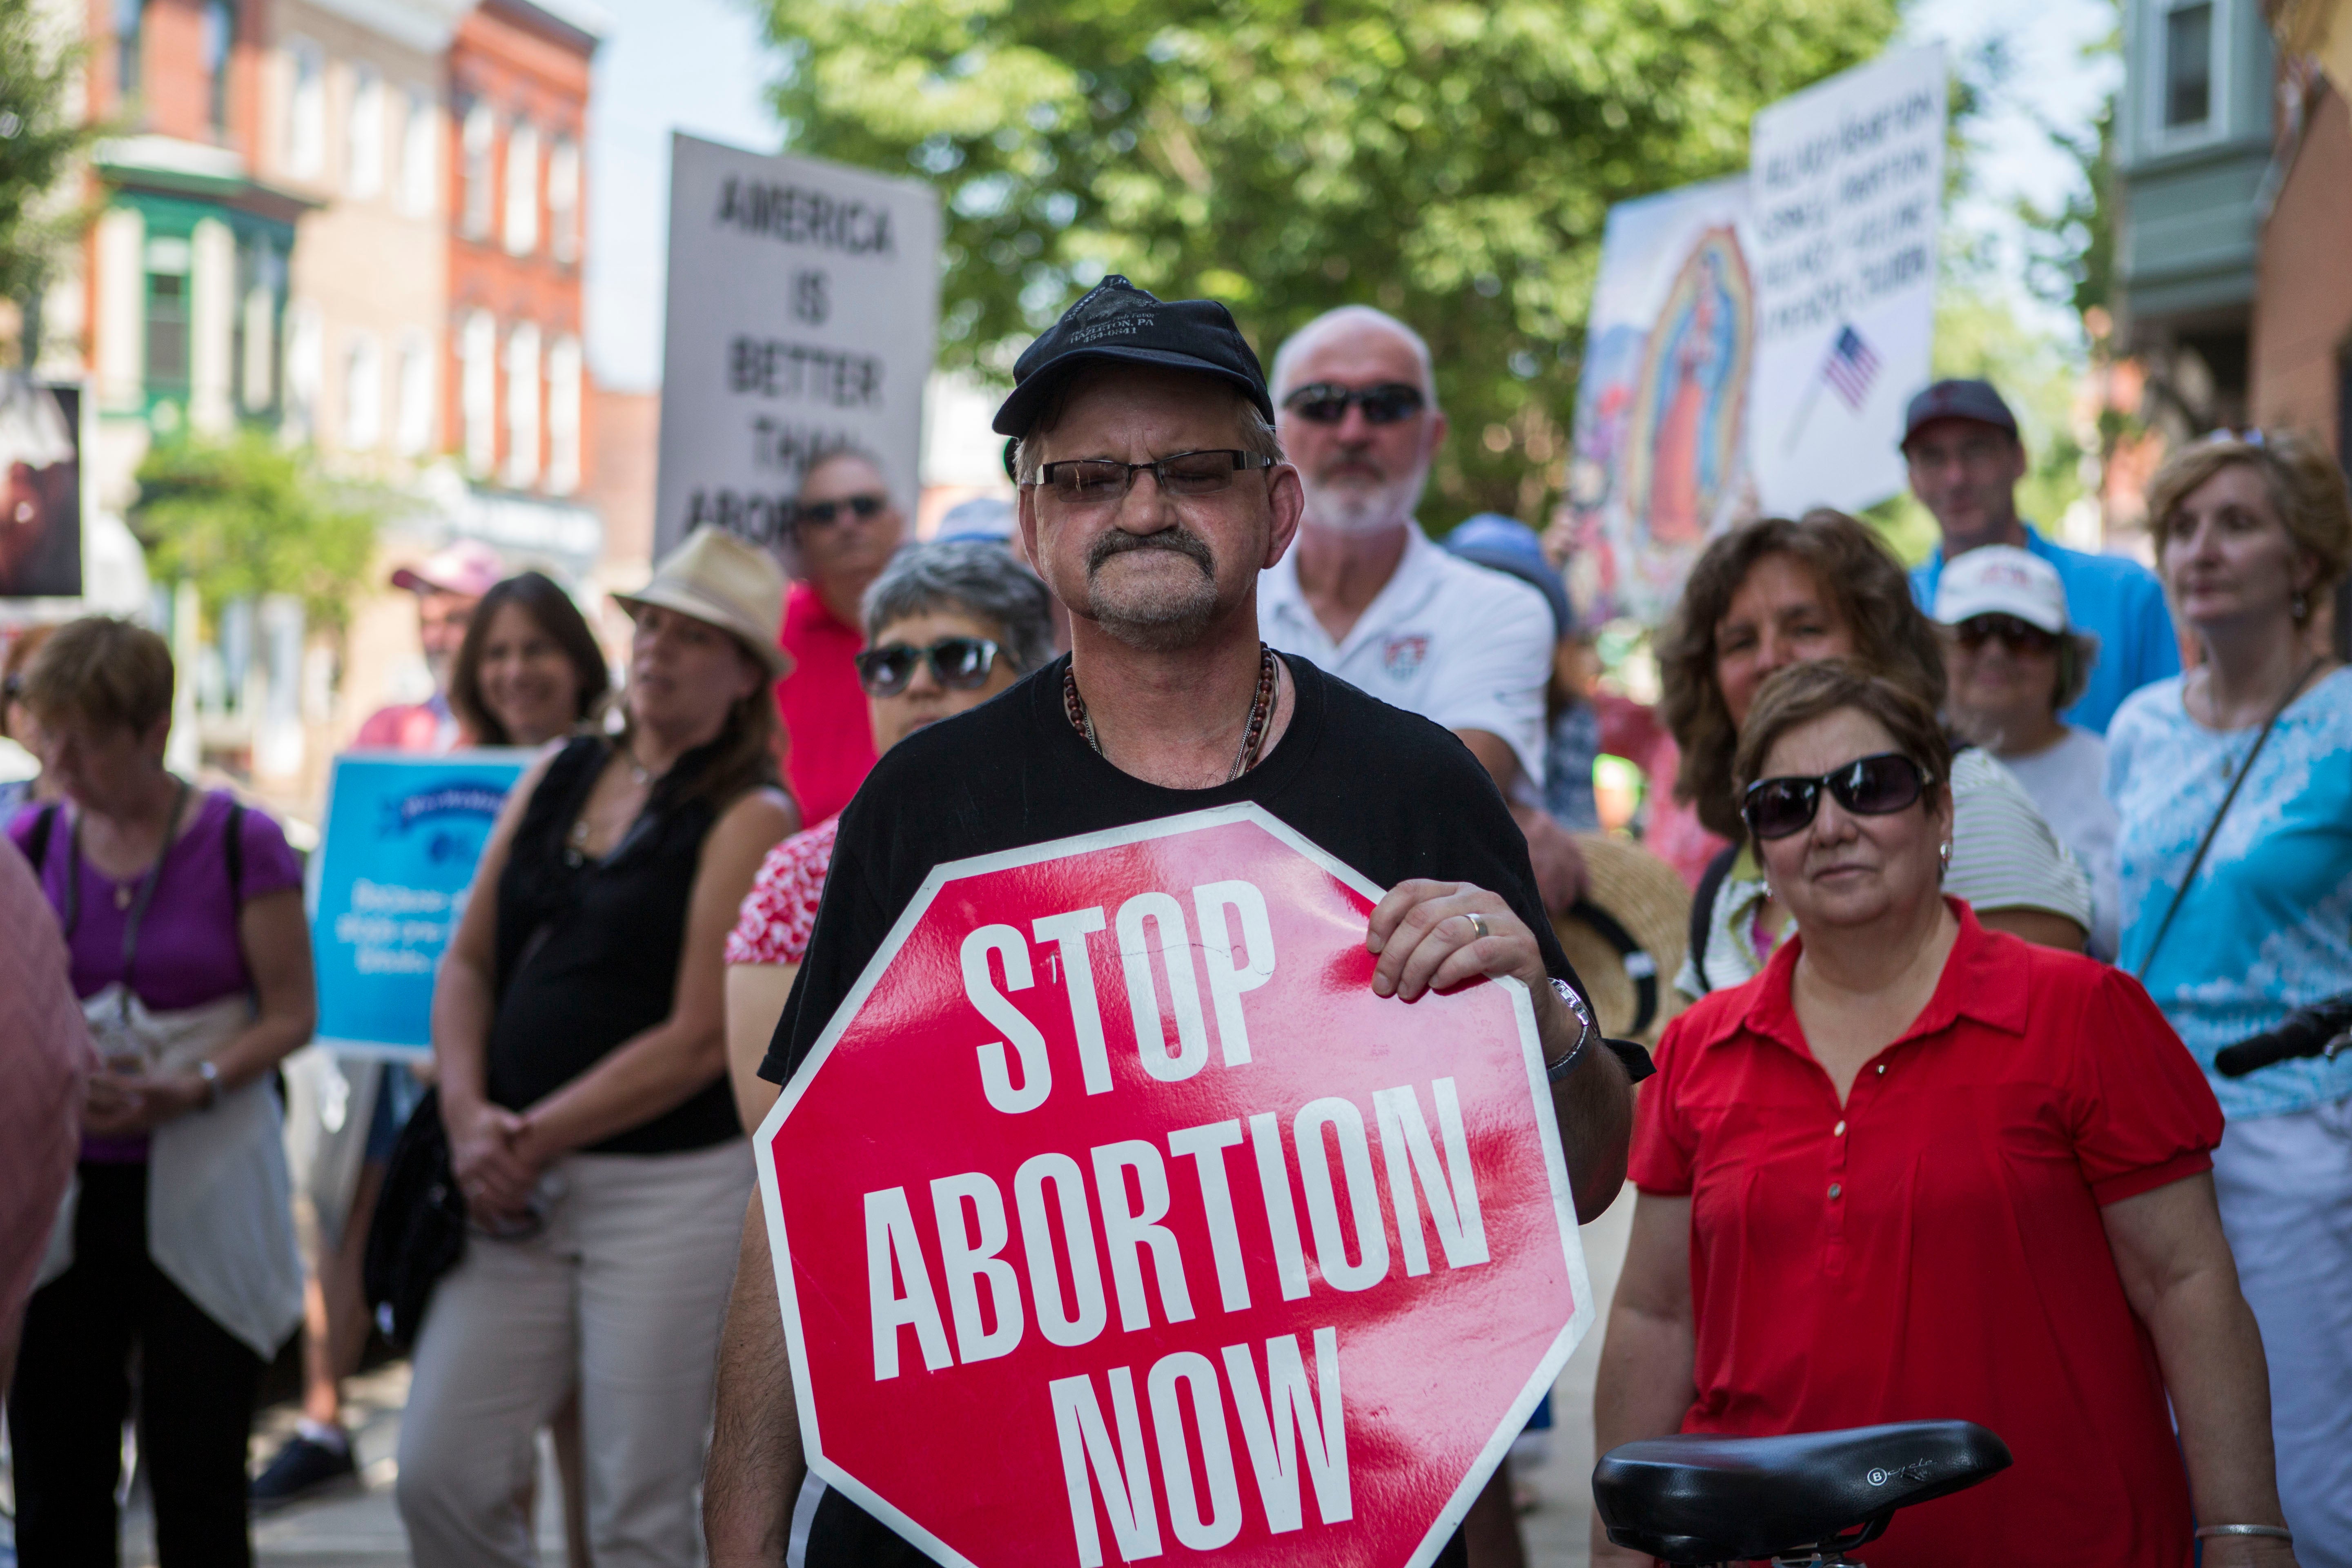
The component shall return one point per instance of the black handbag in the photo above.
(419, 1230)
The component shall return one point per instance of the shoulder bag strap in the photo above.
(1702, 915)
(37, 844)
(2214, 827)
(233, 851)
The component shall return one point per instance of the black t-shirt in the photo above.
(1389, 793)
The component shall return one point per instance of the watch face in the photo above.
(1576, 1005)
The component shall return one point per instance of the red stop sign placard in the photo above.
(1115, 1218)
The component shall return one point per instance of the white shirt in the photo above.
(2068, 781)
(1462, 646)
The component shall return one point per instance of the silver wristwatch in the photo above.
(1555, 1072)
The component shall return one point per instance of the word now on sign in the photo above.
(1248, 1262)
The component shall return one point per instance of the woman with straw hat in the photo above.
(578, 1028)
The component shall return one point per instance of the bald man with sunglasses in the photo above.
(1367, 596)
(844, 528)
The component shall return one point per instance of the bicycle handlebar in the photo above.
(2322, 1028)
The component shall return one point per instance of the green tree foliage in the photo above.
(245, 516)
(39, 140)
(1449, 161)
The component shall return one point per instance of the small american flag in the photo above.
(1850, 368)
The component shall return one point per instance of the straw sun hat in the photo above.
(720, 580)
(1625, 937)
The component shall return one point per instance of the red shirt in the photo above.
(1934, 1249)
(825, 722)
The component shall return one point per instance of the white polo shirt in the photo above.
(1460, 644)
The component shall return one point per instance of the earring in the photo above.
(1768, 893)
(1944, 854)
(2300, 608)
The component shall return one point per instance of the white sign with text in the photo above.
(1846, 185)
(803, 308)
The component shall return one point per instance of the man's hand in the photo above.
(1558, 859)
(1426, 939)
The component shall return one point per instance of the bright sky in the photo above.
(699, 66)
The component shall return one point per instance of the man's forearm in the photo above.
(1594, 1105)
(755, 1465)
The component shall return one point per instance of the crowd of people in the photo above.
(1980, 885)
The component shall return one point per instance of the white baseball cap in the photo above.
(2002, 580)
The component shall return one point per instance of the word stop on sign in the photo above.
(1115, 1219)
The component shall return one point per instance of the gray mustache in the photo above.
(1185, 544)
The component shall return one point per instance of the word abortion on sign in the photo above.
(1114, 1156)
(402, 836)
(803, 302)
(1846, 188)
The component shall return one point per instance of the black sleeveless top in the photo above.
(588, 950)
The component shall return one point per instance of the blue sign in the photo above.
(395, 863)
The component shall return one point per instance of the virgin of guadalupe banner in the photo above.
(1663, 412)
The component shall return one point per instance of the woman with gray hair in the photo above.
(948, 627)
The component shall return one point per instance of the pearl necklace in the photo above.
(1253, 734)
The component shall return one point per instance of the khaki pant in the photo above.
(622, 1292)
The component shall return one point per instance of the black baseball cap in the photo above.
(1958, 400)
(1119, 322)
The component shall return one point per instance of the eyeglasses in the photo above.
(1326, 402)
(2016, 636)
(825, 513)
(1876, 785)
(1097, 481)
(960, 664)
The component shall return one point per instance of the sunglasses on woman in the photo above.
(958, 664)
(825, 513)
(1326, 402)
(2018, 636)
(1876, 785)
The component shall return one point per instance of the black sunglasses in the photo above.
(1326, 402)
(960, 664)
(824, 513)
(1090, 481)
(1876, 785)
(2016, 636)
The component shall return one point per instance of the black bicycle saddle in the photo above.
(1705, 1500)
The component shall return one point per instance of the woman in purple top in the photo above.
(183, 915)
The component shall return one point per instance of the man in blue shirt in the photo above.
(1965, 458)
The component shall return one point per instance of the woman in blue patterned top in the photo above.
(2252, 533)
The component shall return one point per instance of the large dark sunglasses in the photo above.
(2016, 636)
(1093, 482)
(1326, 402)
(1877, 786)
(825, 513)
(960, 664)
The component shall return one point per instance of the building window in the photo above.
(563, 400)
(169, 262)
(413, 428)
(522, 407)
(2187, 64)
(522, 191)
(219, 42)
(129, 16)
(306, 110)
(481, 130)
(305, 362)
(416, 181)
(364, 135)
(478, 389)
(260, 277)
(563, 200)
(363, 394)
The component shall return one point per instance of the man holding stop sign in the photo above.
(1148, 1185)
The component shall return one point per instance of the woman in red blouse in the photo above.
(1919, 1169)
(948, 627)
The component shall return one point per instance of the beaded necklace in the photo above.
(1253, 734)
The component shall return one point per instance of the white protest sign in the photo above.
(804, 307)
(1846, 182)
